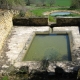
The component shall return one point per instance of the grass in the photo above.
(52, 19)
(58, 3)
(63, 3)
(5, 78)
(39, 12)
(74, 15)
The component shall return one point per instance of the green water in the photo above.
(49, 47)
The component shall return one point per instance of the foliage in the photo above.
(22, 13)
(5, 78)
(51, 2)
(12, 2)
(28, 2)
(8, 4)
(43, 2)
(74, 14)
(52, 19)
(75, 4)
(28, 14)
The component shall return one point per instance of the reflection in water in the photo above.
(51, 54)
(60, 13)
(49, 47)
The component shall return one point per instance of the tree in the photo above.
(75, 4)
(51, 2)
(28, 2)
(43, 2)
(78, 3)
(7, 4)
(2, 4)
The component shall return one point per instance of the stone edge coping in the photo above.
(32, 64)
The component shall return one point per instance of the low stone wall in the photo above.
(5, 26)
(30, 22)
(68, 21)
(38, 21)
(21, 22)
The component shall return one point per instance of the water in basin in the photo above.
(60, 13)
(49, 47)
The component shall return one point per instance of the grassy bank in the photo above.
(39, 12)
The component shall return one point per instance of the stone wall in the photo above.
(5, 26)
(21, 22)
(38, 21)
(30, 22)
(68, 21)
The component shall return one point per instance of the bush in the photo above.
(22, 14)
(28, 14)
(52, 19)
(73, 7)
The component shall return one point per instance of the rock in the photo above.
(78, 58)
(5, 66)
(60, 64)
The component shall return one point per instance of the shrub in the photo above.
(52, 19)
(28, 14)
(22, 13)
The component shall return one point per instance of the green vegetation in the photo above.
(22, 14)
(62, 3)
(52, 2)
(5, 78)
(74, 14)
(13, 2)
(9, 4)
(75, 4)
(57, 5)
(39, 12)
(52, 19)
(36, 8)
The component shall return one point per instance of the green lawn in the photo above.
(63, 3)
(39, 12)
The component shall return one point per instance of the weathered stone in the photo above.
(5, 66)
(5, 26)
(30, 22)
(67, 21)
